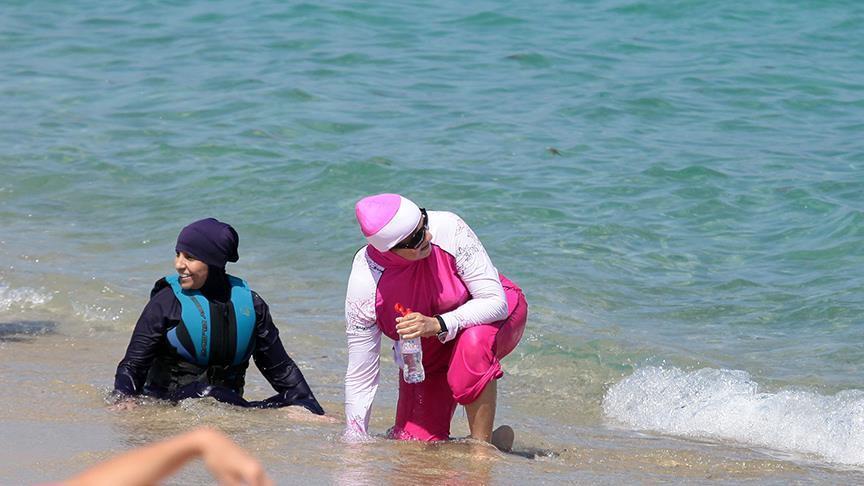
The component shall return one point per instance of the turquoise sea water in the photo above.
(678, 186)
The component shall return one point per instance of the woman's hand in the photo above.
(229, 463)
(416, 324)
(125, 404)
(306, 415)
(120, 401)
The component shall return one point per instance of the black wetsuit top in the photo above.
(153, 367)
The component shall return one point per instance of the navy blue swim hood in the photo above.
(211, 241)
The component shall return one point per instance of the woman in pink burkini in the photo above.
(467, 314)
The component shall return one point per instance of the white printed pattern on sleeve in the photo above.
(475, 268)
(364, 344)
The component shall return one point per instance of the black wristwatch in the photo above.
(443, 332)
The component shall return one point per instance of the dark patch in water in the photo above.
(22, 331)
(534, 453)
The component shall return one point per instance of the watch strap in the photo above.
(442, 324)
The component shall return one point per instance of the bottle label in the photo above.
(411, 346)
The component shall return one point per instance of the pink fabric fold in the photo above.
(457, 371)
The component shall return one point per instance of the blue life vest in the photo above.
(195, 318)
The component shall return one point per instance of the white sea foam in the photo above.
(97, 312)
(727, 404)
(24, 297)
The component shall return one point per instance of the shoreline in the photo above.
(72, 420)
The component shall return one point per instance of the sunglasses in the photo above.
(415, 239)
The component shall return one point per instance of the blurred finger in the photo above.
(261, 478)
(233, 480)
(254, 476)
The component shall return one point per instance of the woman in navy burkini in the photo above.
(196, 335)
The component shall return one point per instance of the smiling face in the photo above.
(193, 272)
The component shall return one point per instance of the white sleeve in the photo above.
(474, 267)
(364, 345)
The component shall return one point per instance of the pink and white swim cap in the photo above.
(386, 219)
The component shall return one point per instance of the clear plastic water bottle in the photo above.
(412, 354)
(412, 361)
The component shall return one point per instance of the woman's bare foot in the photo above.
(503, 438)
